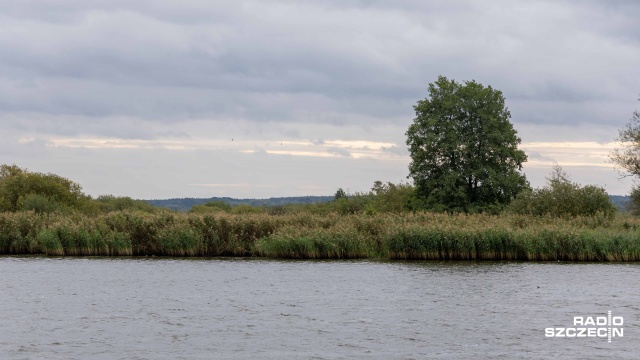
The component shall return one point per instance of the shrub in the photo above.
(16, 185)
(351, 204)
(211, 207)
(109, 203)
(391, 197)
(563, 198)
(634, 201)
(246, 209)
(39, 204)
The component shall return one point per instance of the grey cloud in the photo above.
(531, 132)
(30, 124)
(272, 175)
(275, 61)
(281, 70)
(13, 150)
(260, 152)
(534, 155)
(173, 134)
(339, 152)
(397, 150)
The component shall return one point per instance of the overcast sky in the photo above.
(200, 98)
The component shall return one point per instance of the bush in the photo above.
(16, 185)
(391, 197)
(634, 201)
(246, 209)
(352, 204)
(563, 198)
(211, 206)
(39, 204)
(109, 203)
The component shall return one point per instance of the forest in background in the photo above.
(185, 204)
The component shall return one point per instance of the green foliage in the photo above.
(276, 210)
(109, 203)
(218, 205)
(246, 209)
(185, 204)
(18, 232)
(211, 207)
(464, 149)
(21, 189)
(563, 198)
(352, 204)
(50, 243)
(408, 235)
(7, 171)
(340, 194)
(634, 201)
(179, 241)
(391, 197)
(201, 209)
(40, 204)
(315, 243)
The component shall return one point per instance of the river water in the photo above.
(114, 308)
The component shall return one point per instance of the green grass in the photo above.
(424, 236)
(315, 243)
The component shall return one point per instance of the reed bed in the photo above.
(419, 236)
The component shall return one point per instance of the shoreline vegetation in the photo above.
(48, 214)
(468, 200)
(304, 235)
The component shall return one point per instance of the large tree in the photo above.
(464, 149)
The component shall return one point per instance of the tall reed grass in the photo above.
(425, 236)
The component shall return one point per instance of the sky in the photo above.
(255, 99)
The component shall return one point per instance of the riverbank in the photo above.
(304, 235)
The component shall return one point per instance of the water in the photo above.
(102, 308)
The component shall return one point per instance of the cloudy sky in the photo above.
(200, 98)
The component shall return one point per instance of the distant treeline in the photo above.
(185, 204)
(24, 190)
(621, 202)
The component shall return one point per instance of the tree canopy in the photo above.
(627, 157)
(464, 149)
(24, 190)
(340, 194)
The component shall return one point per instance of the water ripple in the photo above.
(104, 308)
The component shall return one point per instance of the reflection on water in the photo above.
(102, 308)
